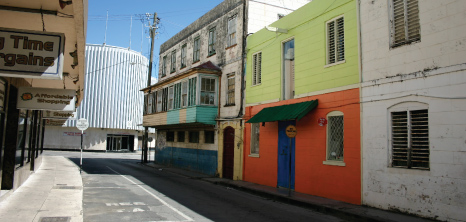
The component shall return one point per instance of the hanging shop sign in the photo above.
(54, 122)
(46, 99)
(47, 114)
(31, 54)
(291, 131)
(2, 96)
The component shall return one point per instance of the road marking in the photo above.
(156, 197)
(138, 210)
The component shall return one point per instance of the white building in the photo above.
(112, 103)
(414, 106)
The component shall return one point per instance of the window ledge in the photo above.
(231, 46)
(210, 55)
(194, 62)
(228, 105)
(334, 163)
(256, 155)
(334, 64)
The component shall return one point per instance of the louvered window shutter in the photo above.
(405, 22)
(410, 139)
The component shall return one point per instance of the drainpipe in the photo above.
(358, 11)
(243, 64)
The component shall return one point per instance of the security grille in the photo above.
(410, 139)
(336, 40)
(405, 23)
(257, 68)
(335, 138)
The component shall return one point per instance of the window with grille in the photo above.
(410, 139)
(196, 49)
(335, 133)
(212, 39)
(184, 94)
(209, 137)
(335, 40)
(231, 90)
(405, 27)
(207, 91)
(231, 31)
(173, 62)
(183, 55)
(193, 136)
(164, 66)
(256, 68)
(181, 136)
(255, 130)
(192, 91)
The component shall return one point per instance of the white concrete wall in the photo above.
(430, 73)
(94, 138)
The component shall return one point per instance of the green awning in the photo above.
(286, 112)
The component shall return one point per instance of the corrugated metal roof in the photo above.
(286, 112)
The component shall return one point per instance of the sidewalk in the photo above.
(340, 209)
(53, 193)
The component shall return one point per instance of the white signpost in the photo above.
(82, 125)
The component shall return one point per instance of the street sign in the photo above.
(82, 124)
(291, 131)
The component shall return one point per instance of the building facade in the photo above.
(413, 107)
(302, 77)
(40, 70)
(197, 104)
(112, 103)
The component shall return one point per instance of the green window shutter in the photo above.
(192, 91)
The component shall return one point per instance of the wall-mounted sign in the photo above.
(2, 95)
(47, 114)
(322, 121)
(46, 99)
(31, 54)
(291, 131)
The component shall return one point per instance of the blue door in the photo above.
(286, 156)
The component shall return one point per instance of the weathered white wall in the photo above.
(264, 12)
(431, 73)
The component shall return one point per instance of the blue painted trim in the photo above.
(203, 161)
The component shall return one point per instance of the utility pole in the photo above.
(152, 28)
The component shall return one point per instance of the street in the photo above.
(118, 188)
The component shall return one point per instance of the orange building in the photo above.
(313, 173)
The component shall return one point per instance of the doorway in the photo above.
(120, 142)
(228, 152)
(286, 164)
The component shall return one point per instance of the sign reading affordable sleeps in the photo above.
(46, 99)
(31, 54)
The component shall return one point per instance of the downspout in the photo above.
(243, 64)
(358, 11)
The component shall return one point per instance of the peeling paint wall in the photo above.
(428, 74)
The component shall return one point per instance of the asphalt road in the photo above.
(118, 188)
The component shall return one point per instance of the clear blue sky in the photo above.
(174, 16)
